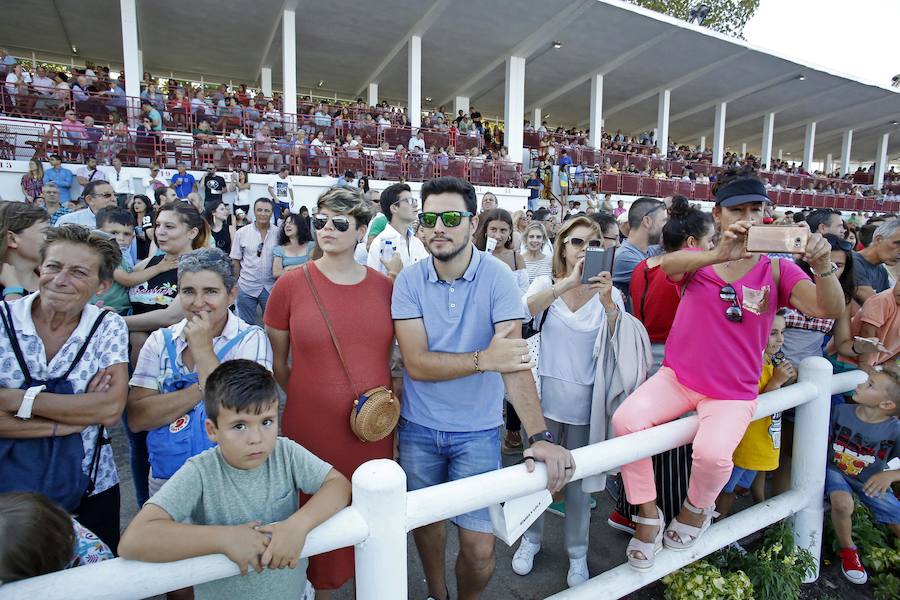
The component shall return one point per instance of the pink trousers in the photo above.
(722, 425)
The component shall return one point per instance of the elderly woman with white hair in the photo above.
(166, 397)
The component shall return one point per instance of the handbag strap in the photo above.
(14, 342)
(334, 339)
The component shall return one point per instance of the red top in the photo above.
(654, 300)
(319, 397)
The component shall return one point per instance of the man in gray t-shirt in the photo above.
(870, 275)
(646, 218)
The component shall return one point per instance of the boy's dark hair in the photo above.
(451, 185)
(866, 233)
(114, 214)
(240, 385)
(38, 536)
(605, 220)
(390, 196)
(684, 221)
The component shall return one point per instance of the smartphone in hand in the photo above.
(787, 239)
(596, 261)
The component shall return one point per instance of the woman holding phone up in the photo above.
(732, 296)
(569, 314)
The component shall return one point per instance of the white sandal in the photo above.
(686, 534)
(642, 555)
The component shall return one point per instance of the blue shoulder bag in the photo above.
(171, 445)
(51, 465)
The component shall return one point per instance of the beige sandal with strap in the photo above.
(642, 555)
(681, 536)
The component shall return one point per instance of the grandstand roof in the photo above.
(464, 45)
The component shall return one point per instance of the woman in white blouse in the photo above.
(570, 315)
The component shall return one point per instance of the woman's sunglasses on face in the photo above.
(577, 242)
(450, 218)
(340, 222)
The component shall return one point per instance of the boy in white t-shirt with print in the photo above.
(241, 497)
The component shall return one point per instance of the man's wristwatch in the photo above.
(541, 436)
(31, 393)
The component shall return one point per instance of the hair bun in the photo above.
(680, 207)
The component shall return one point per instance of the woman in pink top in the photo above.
(731, 296)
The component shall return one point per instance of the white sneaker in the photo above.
(523, 559)
(578, 571)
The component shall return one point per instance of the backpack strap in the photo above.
(776, 271)
(6, 315)
(170, 350)
(87, 340)
(224, 350)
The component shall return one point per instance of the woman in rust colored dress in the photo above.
(319, 396)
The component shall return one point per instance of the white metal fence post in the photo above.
(810, 458)
(379, 494)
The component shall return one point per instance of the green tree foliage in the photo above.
(725, 16)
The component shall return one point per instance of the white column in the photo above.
(881, 160)
(702, 143)
(768, 134)
(846, 144)
(744, 150)
(780, 154)
(141, 60)
(719, 134)
(414, 81)
(265, 80)
(537, 118)
(809, 142)
(662, 123)
(289, 59)
(514, 106)
(373, 94)
(596, 122)
(828, 167)
(131, 56)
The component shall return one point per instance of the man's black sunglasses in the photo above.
(450, 218)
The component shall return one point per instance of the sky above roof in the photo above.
(856, 38)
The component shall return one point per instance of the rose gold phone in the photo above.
(790, 239)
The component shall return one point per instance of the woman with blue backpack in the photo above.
(166, 397)
(63, 379)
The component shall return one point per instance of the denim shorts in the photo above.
(430, 457)
(885, 509)
(740, 477)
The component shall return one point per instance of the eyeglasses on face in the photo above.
(734, 312)
(577, 242)
(450, 218)
(340, 222)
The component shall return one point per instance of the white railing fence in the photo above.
(383, 512)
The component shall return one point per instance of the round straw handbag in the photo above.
(374, 414)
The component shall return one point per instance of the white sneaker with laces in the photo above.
(578, 571)
(523, 559)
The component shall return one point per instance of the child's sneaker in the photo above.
(619, 521)
(852, 567)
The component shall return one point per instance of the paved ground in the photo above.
(549, 576)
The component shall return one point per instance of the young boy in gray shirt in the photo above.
(241, 497)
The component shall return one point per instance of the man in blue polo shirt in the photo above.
(458, 319)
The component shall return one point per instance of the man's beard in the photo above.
(449, 255)
(654, 239)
